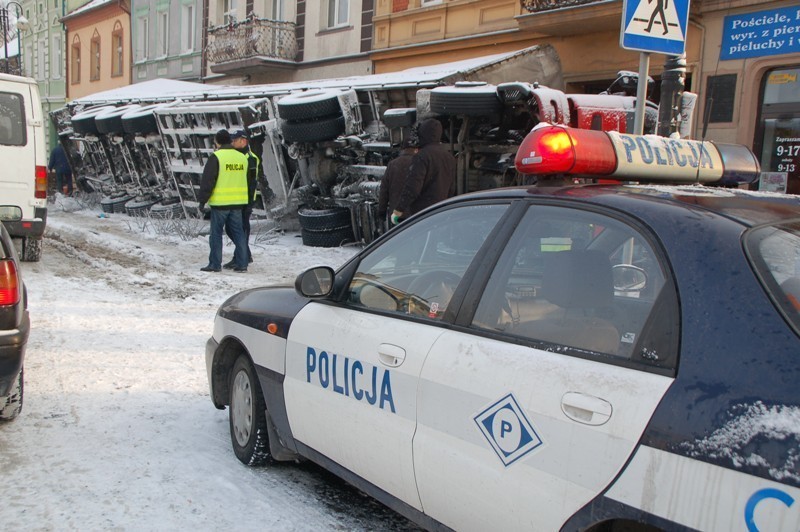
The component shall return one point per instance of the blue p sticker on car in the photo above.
(507, 429)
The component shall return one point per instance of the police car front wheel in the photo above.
(247, 415)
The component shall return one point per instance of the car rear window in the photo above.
(774, 251)
(12, 119)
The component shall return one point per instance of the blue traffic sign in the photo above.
(657, 26)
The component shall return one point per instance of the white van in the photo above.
(23, 170)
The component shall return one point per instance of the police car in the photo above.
(595, 357)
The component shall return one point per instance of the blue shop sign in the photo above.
(772, 32)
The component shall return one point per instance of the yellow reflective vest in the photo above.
(231, 186)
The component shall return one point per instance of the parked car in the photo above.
(23, 179)
(14, 328)
(596, 357)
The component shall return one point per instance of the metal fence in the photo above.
(537, 6)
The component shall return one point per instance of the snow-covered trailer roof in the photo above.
(534, 64)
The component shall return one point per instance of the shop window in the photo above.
(778, 137)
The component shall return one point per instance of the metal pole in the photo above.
(4, 23)
(641, 93)
(672, 82)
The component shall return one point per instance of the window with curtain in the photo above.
(338, 12)
(142, 38)
(163, 33)
(117, 50)
(94, 66)
(56, 58)
(187, 28)
(75, 62)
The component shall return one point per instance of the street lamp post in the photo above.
(21, 24)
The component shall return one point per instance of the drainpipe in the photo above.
(123, 5)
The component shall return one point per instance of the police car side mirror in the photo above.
(628, 279)
(315, 283)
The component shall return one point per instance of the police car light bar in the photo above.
(550, 149)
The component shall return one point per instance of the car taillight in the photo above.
(9, 283)
(559, 150)
(41, 182)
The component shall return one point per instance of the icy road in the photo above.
(117, 431)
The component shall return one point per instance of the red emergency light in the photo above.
(561, 150)
(610, 155)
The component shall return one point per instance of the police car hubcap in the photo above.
(242, 408)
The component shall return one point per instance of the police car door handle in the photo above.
(391, 355)
(586, 409)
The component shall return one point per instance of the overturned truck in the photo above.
(324, 144)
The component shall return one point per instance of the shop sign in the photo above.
(771, 32)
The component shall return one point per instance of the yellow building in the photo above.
(98, 47)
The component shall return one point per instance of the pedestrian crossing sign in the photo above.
(657, 26)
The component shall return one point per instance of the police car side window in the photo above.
(575, 279)
(417, 270)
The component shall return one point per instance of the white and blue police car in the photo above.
(597, 357)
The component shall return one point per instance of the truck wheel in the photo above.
(328, 239)
(31, 249)
(313, 131)
(13, 404)
(323, 219)
(309, 105)
(247, 415)
(480, 100)
(139, 208)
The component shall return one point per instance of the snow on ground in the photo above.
(117, 431)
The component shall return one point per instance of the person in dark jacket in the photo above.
(394, 179)
(224, 187)
(432, 175)
(59, 164)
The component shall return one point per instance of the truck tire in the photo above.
(139, 208)
(167, 210)
(13, 402)
(479, 100)
(313, 131)
(309, 105)
(31, 249)
(142, 120)
(328, 239)
(111, 121)
(247, 415)
(323, 219)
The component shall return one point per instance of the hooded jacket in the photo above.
(432, 175)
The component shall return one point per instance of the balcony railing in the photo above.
(537, 6)
(252, 37)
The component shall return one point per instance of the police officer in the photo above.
(224, 188)
(239, 141)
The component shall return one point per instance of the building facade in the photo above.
(273, 41)
(167, 39)
(43, 46)
(98, 50)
